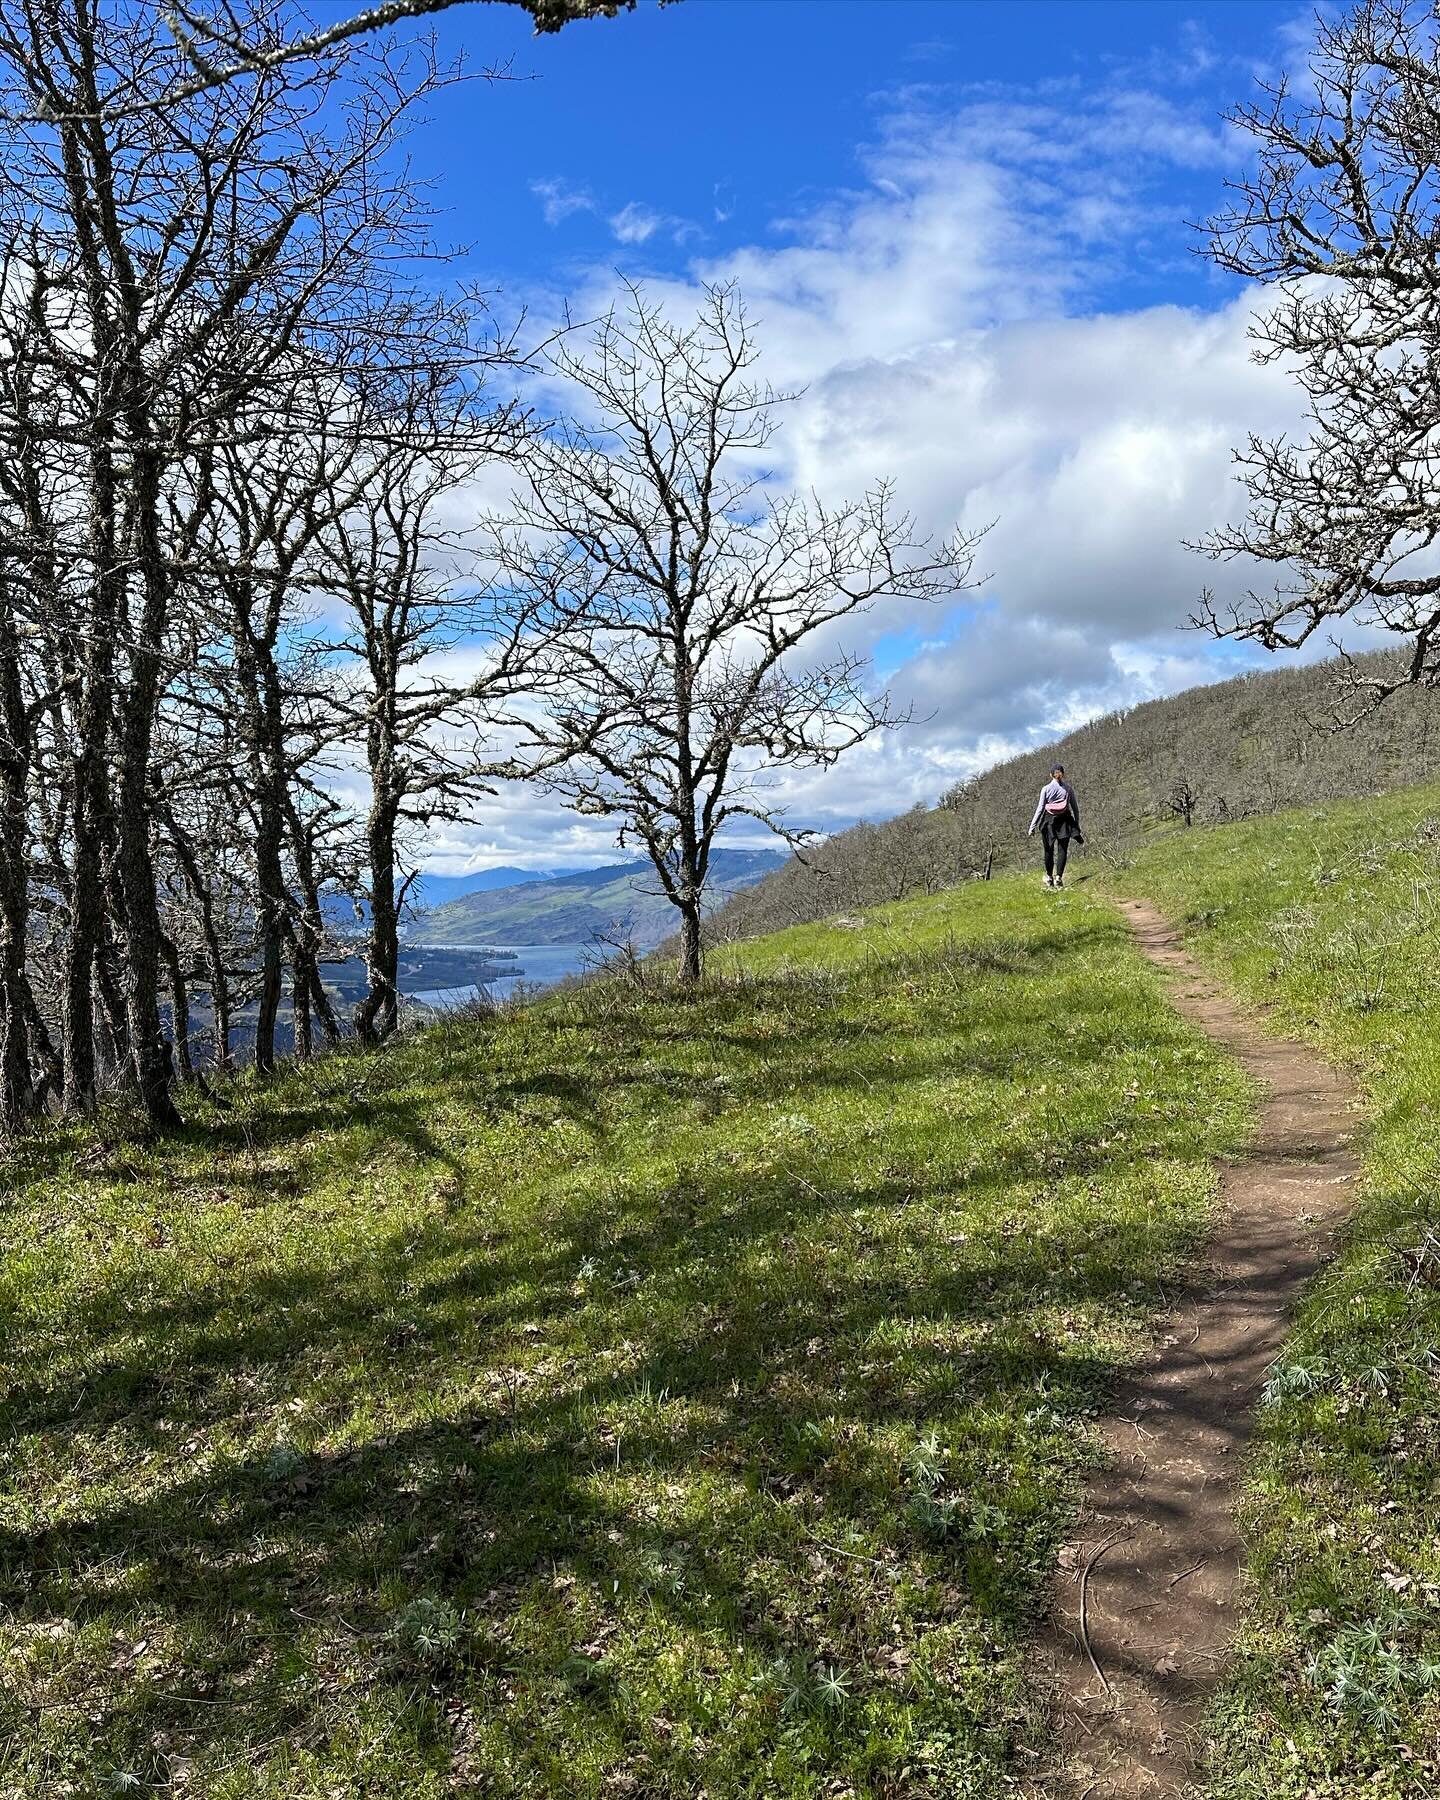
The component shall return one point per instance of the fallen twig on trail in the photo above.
(1095, 1556)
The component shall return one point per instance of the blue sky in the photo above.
(963, 228)
(731, 116)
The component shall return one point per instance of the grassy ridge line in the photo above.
(1329, 919)
(622, 1398)
(1240, 748)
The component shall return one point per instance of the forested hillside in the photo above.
(1238, 749)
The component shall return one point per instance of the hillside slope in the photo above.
(624, 1395)
(573, 909)
(557, 1404)
(345, 915)
(1240, 748)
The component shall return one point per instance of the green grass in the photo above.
(1332, 921)
(624, 1397)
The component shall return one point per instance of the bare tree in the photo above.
(1181, 800)
(29, 688)
(675, 587)
(166, 238)
(1341, 217)
(412, 598)
(187, 290)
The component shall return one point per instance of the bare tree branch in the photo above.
(687, 609)
(224, 44)
(1341, 218)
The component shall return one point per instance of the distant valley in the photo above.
(572, 908)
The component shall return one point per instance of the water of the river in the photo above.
(535, 965)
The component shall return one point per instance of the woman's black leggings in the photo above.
(1057, 849)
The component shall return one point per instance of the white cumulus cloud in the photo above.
(942, 320)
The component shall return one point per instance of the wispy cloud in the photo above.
(559, 201)
(635, 223)
(960, 323)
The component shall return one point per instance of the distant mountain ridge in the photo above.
(429, 890)
(573, 908)
(425, 891)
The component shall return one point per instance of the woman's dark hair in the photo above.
(1059, 769)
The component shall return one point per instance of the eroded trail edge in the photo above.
(1145, 1593)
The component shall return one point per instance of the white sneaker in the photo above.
(1049, 882)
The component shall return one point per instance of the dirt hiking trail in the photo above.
(1144, 1597)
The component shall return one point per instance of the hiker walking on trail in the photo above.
(1058, 816)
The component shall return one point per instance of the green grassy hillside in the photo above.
(1237, 749)
(1330, 919)
(620, 1397)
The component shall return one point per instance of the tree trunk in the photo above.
(214, 951)
(150, 1052)
(220, 1012)
(378, 1013)
(139, 701)
(179, 1007)
(300, 1003)
(320, 1001)
(270, 975)
(77, 1000)
(15, 1085)
(268, 772)
(51, 1078)
(308, 931)
(263, 730)
(93, 674)
(109, 1014)
(690, 954)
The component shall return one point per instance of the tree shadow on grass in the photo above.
(722, 1437)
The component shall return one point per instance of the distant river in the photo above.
(535, 965)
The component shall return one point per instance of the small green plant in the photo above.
(805, 1688)
(1287, 1380)
(935, 1513)
(430, 1629)
(832, 1686)
(1366, 1671)
(283, 1461)
(926, 1463)
(663, 1571)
